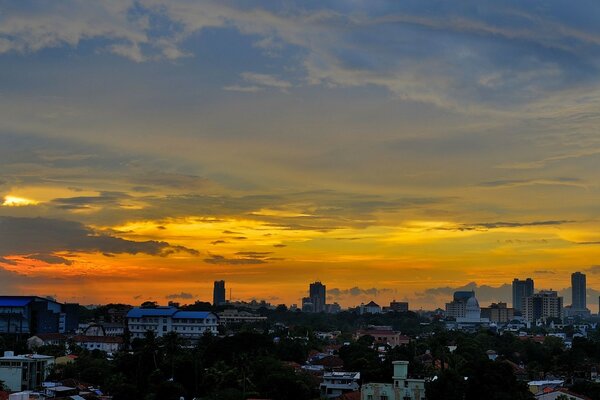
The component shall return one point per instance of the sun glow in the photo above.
(14, 201)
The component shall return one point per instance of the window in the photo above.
(384, 397)
(369, 397)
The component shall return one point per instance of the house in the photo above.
(108, 344)
(161, 320)
(46, 339)
(539, 386)
(239, 316)
(370, 308)
(384, 336)
(24, 372)
(336, 384)
(554, 394)
(402, 388)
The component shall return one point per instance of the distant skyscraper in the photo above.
(317, 293)
(520, 290)
(219, 293)
(542, 305)
(578, 290)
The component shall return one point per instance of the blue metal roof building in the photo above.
(191, 325)
(33, 314)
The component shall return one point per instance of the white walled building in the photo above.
(336, 384)
(24, 372)
(187, 324)
(403, 388)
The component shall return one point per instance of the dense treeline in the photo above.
(252, 364)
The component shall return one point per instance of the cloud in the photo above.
(355, 291)
(39, 238)
(594, 269)
(50, 259)
(221, 260)
(266, 80)
(562, 181)
(484, 293)
(498, 225)
(182, 296)
(243, 89)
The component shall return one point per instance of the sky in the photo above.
(392, 150)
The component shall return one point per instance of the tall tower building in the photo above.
(219, 293)
(542, 305)
(317, 293)
(578, 290)
(521, 289)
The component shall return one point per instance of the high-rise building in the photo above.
(542, 305)
(317, 293)
(578, 290)
(520, 290)
(457, 308)
(219, 293)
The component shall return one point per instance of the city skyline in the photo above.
(391, 150)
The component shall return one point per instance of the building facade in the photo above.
(32, 314)
(578, 290)
(336, 384)
(543, 305)
(457, 308)
(498, 313)
(24, 372)
(161, 320)
(402, 388)
(521, 289)
(219, 293)
(318, 296)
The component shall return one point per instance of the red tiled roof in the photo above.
(50, 336)
(350, 396)
(98, 339)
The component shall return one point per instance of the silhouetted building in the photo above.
(578, 290)
(398, 306)
(543, 305)
(32, 314)
(219, 293)
(520, 290)
(457, 308)
(498, 312)
(317, 294)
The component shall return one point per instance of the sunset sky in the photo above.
(391, 149)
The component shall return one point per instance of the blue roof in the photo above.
(193, 314)
(14, 301)
(139, 312)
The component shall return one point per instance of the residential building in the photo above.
(336, 384)
(108, 344)
(543, 305)
(318, 296)
(219, 293)
(24, 372)
(385, 336)
(32, 314)
(187, 324)
(457, 307)
(307, 305)
(370, 308)
(558, 394)
(333, 308)
(402, 388)
(498, 313)
(238, 316)
(398, 306)
(520, 290)
(46, 339)
(578, 290)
